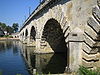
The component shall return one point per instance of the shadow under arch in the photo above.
(32, 33)
(23, 34)
(56, 65)
(54, 36)
(26, 33)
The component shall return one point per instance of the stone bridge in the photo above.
(69, 26)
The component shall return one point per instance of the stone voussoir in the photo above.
(96, 13)
(86, 48)
(93, 24)
(89, 31)
(89, 57)
(88, 40)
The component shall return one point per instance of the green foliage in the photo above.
(85, 71)
(9, 29)
(5, 35)
(37, 74)
(15, 27)
(8, 36)
(3, 25)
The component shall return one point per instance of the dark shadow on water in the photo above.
(51, 63)
(56, 65)
(33, 61)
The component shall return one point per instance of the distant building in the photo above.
(1, 32)
(5, 32)
(15, 35)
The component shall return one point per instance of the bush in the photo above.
(85, 71)
(6, 35)
(9, 36)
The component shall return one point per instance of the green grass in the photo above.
(8, 36)
(85, 71)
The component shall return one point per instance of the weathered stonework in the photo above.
(78, 22)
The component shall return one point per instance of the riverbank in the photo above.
(4, 38)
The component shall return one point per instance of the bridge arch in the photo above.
(32, 33)
(26, 33)
(53, 35)
(22, 34)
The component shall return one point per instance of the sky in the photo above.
(16, 11)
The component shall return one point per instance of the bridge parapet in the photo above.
(44, 5)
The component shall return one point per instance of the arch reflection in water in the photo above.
(29, 56)
(46, 63)
(51, 63)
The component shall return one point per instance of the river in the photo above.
(11, 61)
(18, 59)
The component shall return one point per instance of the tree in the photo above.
(15, 27)
(2, 25)
(9, 29)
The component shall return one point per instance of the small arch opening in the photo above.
(33, 33)
(26, 33)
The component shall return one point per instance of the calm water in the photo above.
(45, 63)
(11, 61)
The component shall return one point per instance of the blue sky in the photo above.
(14, 11)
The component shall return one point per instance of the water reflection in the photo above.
(56, 64)
(15, 48)
(11, 62)
(44, 63)
(51, 63)
(3, 46)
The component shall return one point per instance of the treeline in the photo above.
(9, 29)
